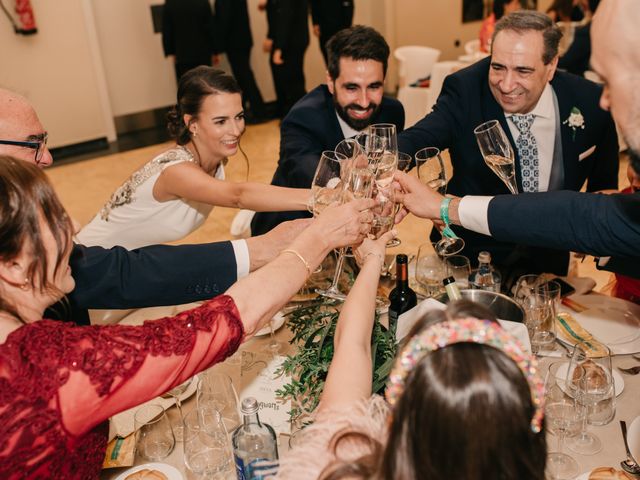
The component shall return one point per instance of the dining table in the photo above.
(627, 407)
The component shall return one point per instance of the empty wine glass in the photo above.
(429, 270)
(598, 385)
(176, 393)
(458, 267)
(216, 390)
(274, 346)
(431, 172)
(497, 152)
(563, 418)
(154, 436)
(207, 448)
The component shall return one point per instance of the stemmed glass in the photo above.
(216, 390)
(429, 270)
(176, 393)
(405, 163)
(207, 448)
(497, 152)
(274, 346)
(458, 267)
(431, 172)
(598, 385)
(563, 419)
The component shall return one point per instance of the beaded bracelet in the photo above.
(297, 254)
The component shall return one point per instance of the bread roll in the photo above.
(608, 473)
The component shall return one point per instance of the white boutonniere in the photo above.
(575, 121)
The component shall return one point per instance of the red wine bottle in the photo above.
(401, 298)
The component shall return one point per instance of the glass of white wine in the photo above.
(497, 152)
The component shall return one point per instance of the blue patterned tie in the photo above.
(527, 151)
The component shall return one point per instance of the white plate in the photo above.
(633, 438)
(172, 473)
(277, 321)
(617, 378)
(612, 321)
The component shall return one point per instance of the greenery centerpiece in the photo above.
(313, 325)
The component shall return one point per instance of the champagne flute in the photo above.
(597, 386)
(431, 172)
(274, 346)
(383, 213)
(497, 152)
(405, 163)
(563, 419)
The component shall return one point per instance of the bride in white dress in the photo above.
(173, 194)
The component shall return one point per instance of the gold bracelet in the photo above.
(297, 254)
(378, 256)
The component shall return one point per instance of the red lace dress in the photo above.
(59, 383)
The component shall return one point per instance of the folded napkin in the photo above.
(408, 319)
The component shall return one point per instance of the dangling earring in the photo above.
(25, 284)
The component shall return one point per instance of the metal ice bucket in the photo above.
(503, 307)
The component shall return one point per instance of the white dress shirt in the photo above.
(347, 131)
(544, 131)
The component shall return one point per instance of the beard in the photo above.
(356, 123)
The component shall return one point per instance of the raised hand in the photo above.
(417, 198)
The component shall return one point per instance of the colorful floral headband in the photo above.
(467, 330)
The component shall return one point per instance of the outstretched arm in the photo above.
(188, 181)
(350, 374)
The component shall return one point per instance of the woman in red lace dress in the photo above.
(59, 382)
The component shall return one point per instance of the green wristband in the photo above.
(444, 216)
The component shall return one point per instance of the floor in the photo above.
(85, 185)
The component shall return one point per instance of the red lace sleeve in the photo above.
(58, 381)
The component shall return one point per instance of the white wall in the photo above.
(55, 70)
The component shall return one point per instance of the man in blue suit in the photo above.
(561, 137)
(597, 224)
(352, 99)
(152, 276)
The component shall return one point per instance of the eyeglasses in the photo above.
(39, 145)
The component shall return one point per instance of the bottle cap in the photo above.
(401, 258)
(249, 406)
(484, 257)
(448, 281)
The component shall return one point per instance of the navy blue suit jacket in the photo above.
(309, 128)
(156, 275)
(600, 225)
(465, 102)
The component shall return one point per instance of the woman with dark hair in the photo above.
(499, 9)
(60, 382)
(174, 193)
(464, 400)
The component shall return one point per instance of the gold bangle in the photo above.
(377, 255)
(297, 254)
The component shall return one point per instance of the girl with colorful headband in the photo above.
(464, 399)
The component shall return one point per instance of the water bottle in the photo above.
(255, 449)
(485, 277)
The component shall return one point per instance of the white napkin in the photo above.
(241, 224)
(409, 318)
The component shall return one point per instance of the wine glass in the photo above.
(431, 172)
(359, 185)
(207, 448)
(563, 418)
(176, 393)
(154, 436)
(274, 346)
(458, 267)
(598, 385)
(405, 162)
(429, 270)
(497, 152)
(216, 390)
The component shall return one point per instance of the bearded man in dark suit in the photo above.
(561, 138)
(351, 100)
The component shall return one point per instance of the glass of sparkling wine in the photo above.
(497, 152)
